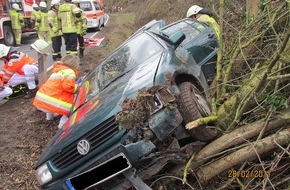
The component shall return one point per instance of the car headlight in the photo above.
(43, 174)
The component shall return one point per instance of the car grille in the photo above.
(96, 137)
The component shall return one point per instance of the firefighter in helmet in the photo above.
(81, 26)
(55, 29)
(203, 15)
(18, 68)
(42, 23)
(34, 14)
(56, 95)
(17, 22)
(68, 26)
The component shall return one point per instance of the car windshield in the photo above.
(133, 53)
(86, 5)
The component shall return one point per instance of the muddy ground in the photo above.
(24, 130)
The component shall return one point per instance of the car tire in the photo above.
(9, 38)
(98, 28)
(192, 105)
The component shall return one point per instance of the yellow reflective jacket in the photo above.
(54, 24)
(67, 18)
(42, 22)
(82, 24)
(34, 15)
(17, 20)
(211, 22)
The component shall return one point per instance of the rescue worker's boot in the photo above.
(30, 93)
(81, 53)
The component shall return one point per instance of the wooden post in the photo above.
(42, 68)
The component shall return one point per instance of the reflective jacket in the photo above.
(16, 60)
(42, 22)
(17, 20)
(211, 22)
(56, 95)
(54, 24)
(34, 15)
(82, 23)
(67, 18)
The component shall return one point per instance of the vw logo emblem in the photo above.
(83, 147)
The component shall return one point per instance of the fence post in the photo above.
(42, 68)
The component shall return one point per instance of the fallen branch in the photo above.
(236, 137)
(248, 153)
(201, 121)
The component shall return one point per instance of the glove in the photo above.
(84, 32)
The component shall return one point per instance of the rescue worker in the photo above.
(55, 29)
(18, 68)
(203, 15)
(42, 23)
(68, 27)
(81, 26)
(34, 15)
(17, 22)
(56, 95)
(5, 91)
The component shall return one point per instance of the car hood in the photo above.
(101, 107)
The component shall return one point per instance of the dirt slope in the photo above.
(24, 130)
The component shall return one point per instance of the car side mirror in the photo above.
(177, 38)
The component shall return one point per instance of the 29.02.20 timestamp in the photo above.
(248, 173)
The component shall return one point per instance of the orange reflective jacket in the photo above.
(56, 95)
(15, 61)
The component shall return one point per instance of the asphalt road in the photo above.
(28, 39)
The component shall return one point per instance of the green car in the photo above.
(171, 66)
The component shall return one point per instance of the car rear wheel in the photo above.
(192, 105)
(9, 39)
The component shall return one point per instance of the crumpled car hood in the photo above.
(105, 105)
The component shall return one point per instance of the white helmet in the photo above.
(75, 1)
(16, 7)
(41, 46)
(35, 5)
(42, 4)
(55, 2)
(193, 10)
(4, 50)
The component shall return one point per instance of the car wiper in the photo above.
(116, 79)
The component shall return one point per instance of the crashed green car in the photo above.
(172, 65)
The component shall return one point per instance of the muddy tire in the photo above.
(192, 105)
(9, 39)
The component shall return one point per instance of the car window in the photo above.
(86, 5)
(190, 29)
(124, 59)
(199, 41)
(97, 6)
(128, 56)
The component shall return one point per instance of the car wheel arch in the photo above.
(184, 77)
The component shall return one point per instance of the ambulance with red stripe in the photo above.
(6, 33)
(95, 11)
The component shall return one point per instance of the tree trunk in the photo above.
(236, 137)
(249, 152)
